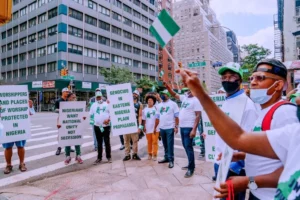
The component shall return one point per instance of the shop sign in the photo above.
(86, 85)
(48, 84)
(37, 84)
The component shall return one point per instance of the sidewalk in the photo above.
(121, 181)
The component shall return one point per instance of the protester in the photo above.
(292, 95)
(72, 97)
(168, 113)
(134, 136)
(189, 118)
(31, 108)
(100, 112)
(65, 93)
(149, 118)
(91, 102)
(280, 144)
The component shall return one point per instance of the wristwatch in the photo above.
(252, 185)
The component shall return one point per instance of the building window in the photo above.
(79, 1)
(152, 56)
(15, 59)
(116, 30)
(127, 35)
(41, 52)
(41, 69)
(23, 72)
(126, 21)
(15, 74)
(152, 45)
(145, 42)
(104, 10)
(31, 38)
(127, 8)
(52, 48)
(117, 3)
(32, 7)
(9, 60)
(9, 46)
(90, 36)
(3, 49)
(90, 20)
(145, 30)
(52, 13)
(136, 51)
(15, 2)
(144, 7)
(152, 67)
(136, 14)
(104, 40)
(75, 31)
(151, 12)
(75, 67)
(150, 21)
(145, 65)
(22, 56)
(127, 48)
(9, 75)
(23, 26)
(9, 32)
(116, 59)
(42, 35)
(51, 67)
(3, 62)
(23, 11)
(31, 54)
(3, 35)
(136, 63)
(89, 69)
(103, 25)
(15, 15)
(16, 44)
(90, 53)
(136, 26)
(92, 5)
(145, 54)
(41, 2)
(116, 16)
(137, 2)
(137, 38)
(42, 18)
(16, 29)
(32, 22)
(116, 44)
(75, 14)
(31, 70)
(127, 61)
(145, 19)
(103, 55)
(52, 30)
(72, 48)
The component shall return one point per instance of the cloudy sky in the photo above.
(251, 20)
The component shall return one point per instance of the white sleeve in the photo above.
(176, 109)
(284, 115)
(143, 115)
(197, 106)
(181, 97)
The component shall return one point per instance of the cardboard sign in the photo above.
(15, 121)
(71, 119)
(121, 108)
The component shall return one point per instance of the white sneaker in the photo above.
(154, 158)
(160, 144)
(149, 157)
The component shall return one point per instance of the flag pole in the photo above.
(175, 63)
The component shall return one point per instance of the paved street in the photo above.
(40, 153)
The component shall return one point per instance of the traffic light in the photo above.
(5, 11)
(62, 72)
(180, 64)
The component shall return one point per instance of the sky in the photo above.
(251, 20)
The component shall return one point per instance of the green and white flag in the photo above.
(161, 73)
(164, 28)
(153, 88)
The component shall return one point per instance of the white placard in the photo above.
(209, 130)
(121, 108)
(72, 120)
(14, 113)
(37, 84)
(102, 86)
(87, 85)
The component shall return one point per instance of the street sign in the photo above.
(68, 77)
(197, 64)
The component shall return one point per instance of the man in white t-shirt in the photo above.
(189, 118)
(168, 123)
(280, 144)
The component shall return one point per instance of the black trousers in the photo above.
(103, 136)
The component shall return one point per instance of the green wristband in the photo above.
(141, 127)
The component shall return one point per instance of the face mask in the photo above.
(230, 87)
(100, 101)
(261, 96)
(298, 112)
(163, 97)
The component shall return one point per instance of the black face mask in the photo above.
(298, 112)
(230, 87)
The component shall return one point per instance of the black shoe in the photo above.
(127, 158)
(72, 150)
(97, 162)
(58, 151)
(122, 147)
(171, 164)
(136, 157)
(214, 178)
(163, 161)
(185, 168)
(189, 174)
(201, 155)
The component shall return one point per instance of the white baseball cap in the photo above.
(98, 94)
(136, 92)
(65, 90)
(98, 89)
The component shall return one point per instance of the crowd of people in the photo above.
(265, 140)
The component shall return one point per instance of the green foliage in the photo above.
(255, 54)
(117, 75)
(146, 84)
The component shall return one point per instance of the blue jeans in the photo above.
(167, 136)
(187, 143)
(95, 139)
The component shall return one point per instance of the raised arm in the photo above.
(174, 94)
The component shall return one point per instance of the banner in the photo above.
(72, 120)
(121, 108)
(209, 130)
(14, 113)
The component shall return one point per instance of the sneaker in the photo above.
(79, 160)
(149, 157)
(154, 158)
(160, 143)
(72, 150)
(68, 160)
(97, 162)
(58, 151)
(109, 160)
(136, 157)
(127, 158)
(122, 147)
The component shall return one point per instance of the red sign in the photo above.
(48, 84)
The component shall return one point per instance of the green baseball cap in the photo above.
(185, 89)
(165, 92)
(234, 67)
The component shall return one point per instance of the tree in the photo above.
(117, 75)
(255, 53)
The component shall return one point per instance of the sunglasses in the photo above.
(260, 78)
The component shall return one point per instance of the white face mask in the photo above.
(100, 101)
(261, 96)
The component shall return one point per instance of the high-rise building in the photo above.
(201, 42)
(164, 62)
(82, 36)
(233, 46)
(278, 40)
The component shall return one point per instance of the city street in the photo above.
(42, 162)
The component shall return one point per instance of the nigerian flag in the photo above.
(164, 28)
(161, 73)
